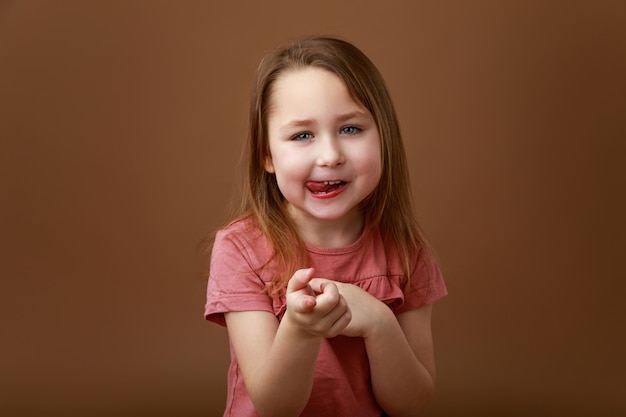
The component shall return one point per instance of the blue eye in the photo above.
(303, 136)
(350, 130)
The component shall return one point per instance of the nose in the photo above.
(329, 152)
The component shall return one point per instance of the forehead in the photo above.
(310, 90)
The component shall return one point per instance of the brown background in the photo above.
(121, 125)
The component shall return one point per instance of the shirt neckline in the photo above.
(352, 247)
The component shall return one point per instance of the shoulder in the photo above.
(426, 282)
(420, 254)
(242, 232)
(240, 228)
(241, 241)
(237, 280)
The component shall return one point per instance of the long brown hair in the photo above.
(389, 207)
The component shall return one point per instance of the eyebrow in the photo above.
(298, 123)
(309, 122)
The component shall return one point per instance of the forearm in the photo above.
(281, 385)
(401, 383)
(277, 358)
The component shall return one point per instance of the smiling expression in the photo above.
(324, 149)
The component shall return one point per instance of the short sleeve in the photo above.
(234, 284)
(426, 285)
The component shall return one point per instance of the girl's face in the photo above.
(324, 149)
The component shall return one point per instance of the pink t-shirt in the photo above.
(341, 386)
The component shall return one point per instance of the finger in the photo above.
(339, 319)
(305, 304)
(329, 295)
(342, 322)
(317, 284)
(299, 280)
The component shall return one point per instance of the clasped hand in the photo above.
(325, 308)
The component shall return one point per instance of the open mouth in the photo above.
(324, 187)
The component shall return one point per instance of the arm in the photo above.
(402, 362)
(277, 360)
(399, 350)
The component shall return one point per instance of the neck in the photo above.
(331, 233)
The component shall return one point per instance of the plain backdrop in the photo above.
(121, 125)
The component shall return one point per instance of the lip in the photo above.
(323, 195)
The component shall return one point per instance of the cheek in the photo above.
(289, 163)
(289, 175)
(369, 161)
(375, 174)
(371, 170)
(289, 170)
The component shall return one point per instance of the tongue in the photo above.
(320, 187)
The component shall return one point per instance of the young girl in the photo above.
(323, 281)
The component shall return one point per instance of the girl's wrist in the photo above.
(383, 322)
(291, 325)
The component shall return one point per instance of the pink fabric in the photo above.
(342, 381)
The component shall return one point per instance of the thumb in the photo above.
(300, 280)
(318, 284)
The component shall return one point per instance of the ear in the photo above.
(269, 165)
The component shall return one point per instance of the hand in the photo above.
(322, 313)
(368, 312)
